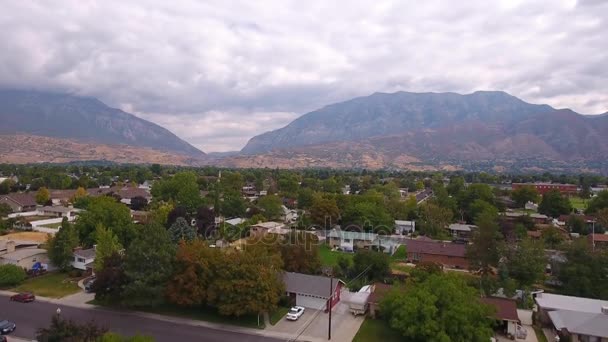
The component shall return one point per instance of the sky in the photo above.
(217, 73)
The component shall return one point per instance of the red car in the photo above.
(23, 297)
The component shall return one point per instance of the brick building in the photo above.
(564, 189)
(448, 254)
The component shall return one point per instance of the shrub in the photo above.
(11, 275)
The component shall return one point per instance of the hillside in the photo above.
(85, 120)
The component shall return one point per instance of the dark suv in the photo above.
(7, 327)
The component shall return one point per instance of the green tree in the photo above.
(113, 337)
(576, 224)
(434, 219)
(480, 206)
(440, 308)
(367, 216)
(61, 245)
(111, 214)
(598, 202)
(233, 204)
(11, 275)
(374, 266)
(271, 206)
(584, 274)
(526, 262)
(305, 198)
(181, 188)
(62, 330)
(554, 204)
(300, 253)
(111, 280)
(6, 186)
(43, 196)
(148, 266)
(5, 209)
(552, 237)
(525, 194)
(181, 230)
(485, 250)
(107, 244)
(324, 212)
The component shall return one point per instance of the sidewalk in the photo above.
(173, 319)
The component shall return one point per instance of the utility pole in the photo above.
(329, 302)
(593, 235)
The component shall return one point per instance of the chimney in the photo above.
(10, 246)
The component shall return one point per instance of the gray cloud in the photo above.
(217, 73)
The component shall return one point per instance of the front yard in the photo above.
(329, 257)
(376, 330)
(53, 285)
(578, 203)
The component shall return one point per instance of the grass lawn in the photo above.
(278, 314)
(579, 203)
(200, 314)
(52, 225)
(376, 330)
(53, 285)
(329, 257)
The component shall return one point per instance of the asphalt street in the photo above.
(31, 316)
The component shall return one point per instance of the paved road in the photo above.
(29, 317)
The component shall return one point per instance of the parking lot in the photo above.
(314, 323)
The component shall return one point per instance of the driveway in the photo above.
(314, 323)
(530, 337)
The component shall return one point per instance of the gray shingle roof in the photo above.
(86, 253)
(308, 284)
(584, 323)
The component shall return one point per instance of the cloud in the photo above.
(217, 72)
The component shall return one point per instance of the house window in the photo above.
(34, 260)
(81, 260)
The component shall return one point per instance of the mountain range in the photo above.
(43, 126)
(434, 131)
(418, 131)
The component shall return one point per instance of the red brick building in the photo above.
(448, 254)
(564, 189)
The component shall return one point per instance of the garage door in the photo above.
(311, 302)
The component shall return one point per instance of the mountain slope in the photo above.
(85, 120)
(386, 114)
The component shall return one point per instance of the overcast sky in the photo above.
(217, 73)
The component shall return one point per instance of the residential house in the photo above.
(263, 228)
(531, 206)
(505, 312)
(58, 211)
(448, 254)
(575, 318)
(140, 216)
(84, 258)
(379, 290)
(20, 201)
(22, 254)
(405, 227)
(461, 230)
(350, 241)
(598, 240)
(312, 291)
(537, 218)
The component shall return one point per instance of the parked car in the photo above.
(88, 285)
(7, 327)
(295, 313)
(24, 297)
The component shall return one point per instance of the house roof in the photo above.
(85, 253)
(58, 209)
(462, 227)
(404, 223)
(352, 235)
(24, 199)
(235, 221)
(268, 225)
(532, 215)
(22, 253)
(584, 323)
(579, 304)
(435, 247)
(309, 284)
(506, 309)
(599, 237)
(380, 290)
(18, 244)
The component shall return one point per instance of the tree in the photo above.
(577, 225)
(62, 330)
(181, 188)
(79, 194)
(434, 219)
(480, 206)
(552, 237)
(112, 215)
(324, 212)
(484, 252)
(584, 274)
(195, 269)
(181, 230)
(305, 198)
(139, 203)
(249, 282)
(233, 204)
(374, 266)
(441, 307)
(43, 196)
(598, 202)
(526, 262)
(107, 244)
(5, 209)
(148, 266)
(111, 279)
(205, 221)
(271, 206)
(300, 253)
(554, 204)
(6, 186)
(61, 246)
(524, 194)
(367, 216)
(11, 275)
